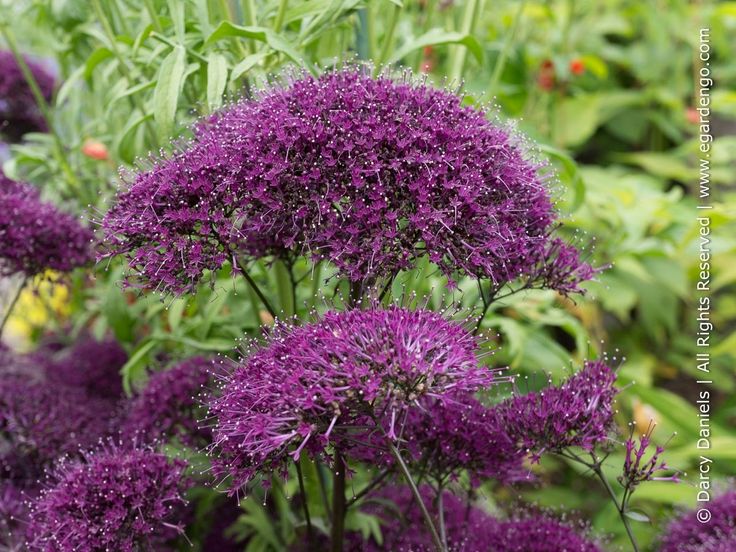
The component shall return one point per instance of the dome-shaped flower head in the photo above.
(19, 112)
(35, 235)
(404, 530)
(538, 533)
(91, 365)
(170, 405)
(310, 384)
(688, 534)
(368, 173)
(578, 413)
(117, 499)
(451, 435)
(41, 421)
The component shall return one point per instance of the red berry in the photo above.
(95, 150)
(546, 77)
(692, 115)
(577, 67)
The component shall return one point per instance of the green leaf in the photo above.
(436, 37)
(98, 56)
(247, 64)
(126, 146)
(134, 370)
(570, 173)
(168, 87)
(576, 119)
(637, 516)
(216, 80)
(274, 40)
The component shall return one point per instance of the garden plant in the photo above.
(352, 275)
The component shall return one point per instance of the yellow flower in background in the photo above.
(43, 299)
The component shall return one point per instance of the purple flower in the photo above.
(169, 406)
(451, 435)
(579, 413)
(35, 235)
(688, 534)
(370, 174)
(404, 530)
(637, 470)
(40, 422)
(537, 533)
(13, 516)
(115, 500)
(315, 384)
(91, 365)
(19, 112)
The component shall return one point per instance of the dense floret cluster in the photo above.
(116, 499)
(367, 173)
(35, 235)
(579, 413)
(687, 533)
(91, 365)
(347, 367)
(459, 433)
(538, 533)
(403, 529)
(169, 405)
(19, 112)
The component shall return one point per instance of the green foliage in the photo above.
(136, 73)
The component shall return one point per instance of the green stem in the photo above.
(279, 21)
(388, 40)
(503, 56)
(323, 487)
(619, 507)
(417, 496)
(441, 516)
(122, 62)
(368, 488)
(305, 505)
(227, 13)
(256, 289)
(338, 503)
(165, 40)
(153, 15)
(470, 16)
(43, 105)
(286, 287)
(11, 306)
(595, 467)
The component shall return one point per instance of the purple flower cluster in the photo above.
(688, 534)
(449, 435)
(312, 384)
(579, 413)
(468, 528)
(35, 235)
(19, 112)
(637, 470)
(13, 517)
(538, 533)
(168, 407)
(116, 499)
(41, 422)
(43, 418)
(91, 365)
(367, 173)
(404, 530)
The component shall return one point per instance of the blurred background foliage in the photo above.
(605, 88)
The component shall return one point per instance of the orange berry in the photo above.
(577, 67)
(95, 150)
